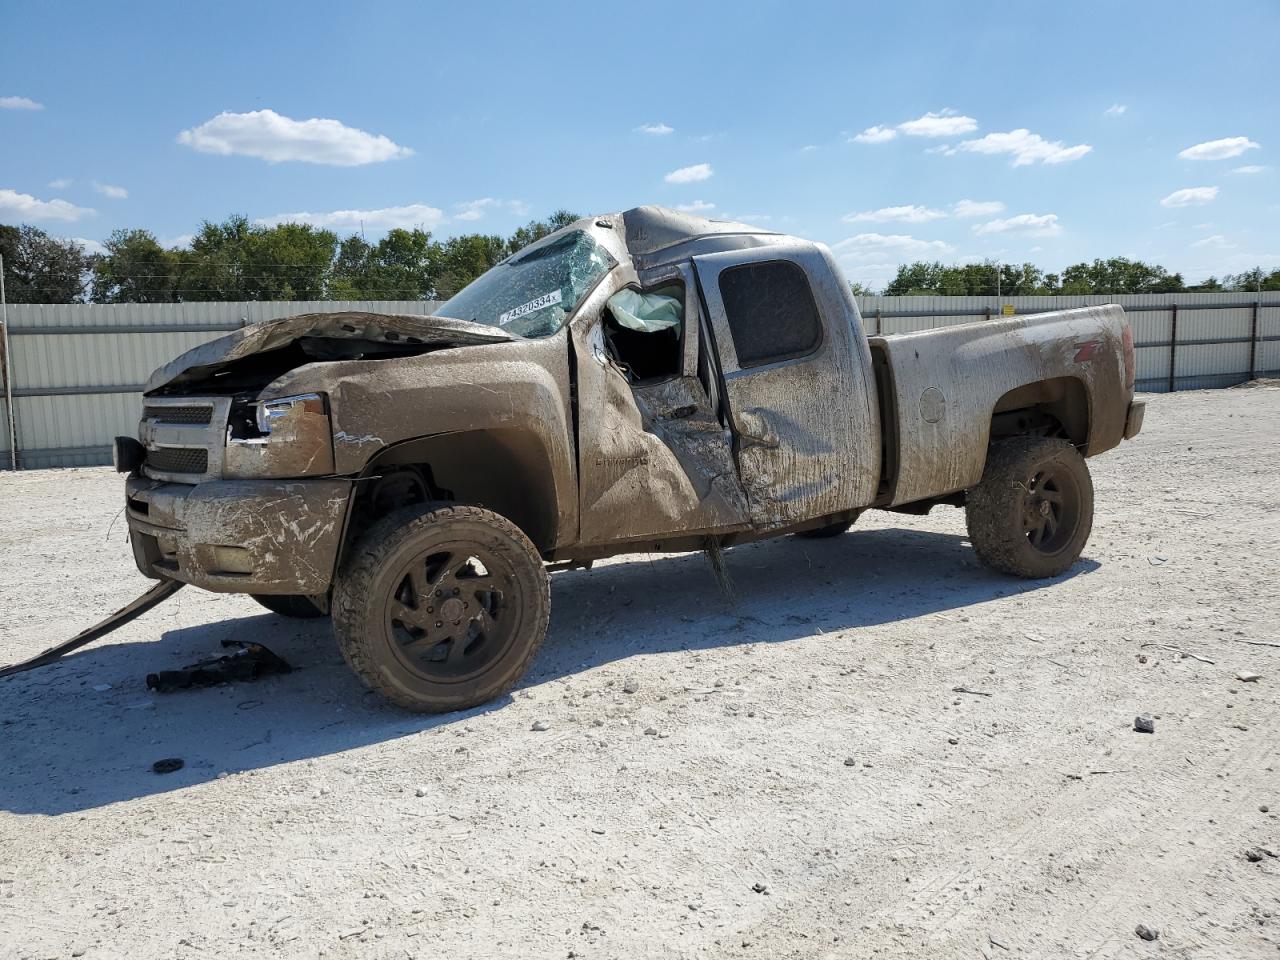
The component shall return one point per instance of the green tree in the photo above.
(967, 280)
(135, 269)
(1119, 275)
(1252, 281)
(537, 229)
(351, 275)
(215, 266)
(464, 258)
(916, 279)
(402, 266)
(1212, 285)
(238, 260)
(289, 261)
(39, 268)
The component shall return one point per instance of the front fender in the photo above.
(520, 388)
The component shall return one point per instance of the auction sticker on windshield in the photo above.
(533, 306)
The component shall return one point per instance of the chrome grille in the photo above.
(178, 460)
(176, 414)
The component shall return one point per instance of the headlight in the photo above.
(272, 412)
(287, 437)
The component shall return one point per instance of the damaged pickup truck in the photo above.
(643, 381)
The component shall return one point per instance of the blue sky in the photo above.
(1075, 131)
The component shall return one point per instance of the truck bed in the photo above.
(940, 390)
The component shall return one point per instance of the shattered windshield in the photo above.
(531, 294)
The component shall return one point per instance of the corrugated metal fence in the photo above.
(78, 369)
(1185, 341)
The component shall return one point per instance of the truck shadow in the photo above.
(69, 747)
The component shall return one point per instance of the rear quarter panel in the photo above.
(946, 384)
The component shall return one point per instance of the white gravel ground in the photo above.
(809, 744)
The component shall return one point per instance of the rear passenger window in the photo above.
(771, 312)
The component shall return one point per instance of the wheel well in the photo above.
(505, 471)
(1058, 407)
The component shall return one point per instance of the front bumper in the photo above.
(239, 536)
(1133, 422)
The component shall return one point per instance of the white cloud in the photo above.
(1190, 196)
(907, 214)
(23, 207)
(386, 218)
(1031, 224)
(90, 246)
(876, 134)
(1026, 147)
(1217, 241)
(976, 208)
(692, 174)
(871, 246)
(1246, 169)
(59, 184)
(946, 123)
(655, 129)
(698, 206)
(275, 138)
(19, 103)
(1116, 110)
(1218, 149)
(476, 209)
(182, 241)
(107, 190)
(809, 148)
(945, 149)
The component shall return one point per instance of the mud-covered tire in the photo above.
(441, 608)
(288, 605)
(830, 530)
(1032, 512)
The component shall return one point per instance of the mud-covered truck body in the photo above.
(645, 381)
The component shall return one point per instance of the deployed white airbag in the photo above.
(646, 312)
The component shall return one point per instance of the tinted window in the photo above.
(771, 312)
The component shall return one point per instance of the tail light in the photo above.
(1130, 361)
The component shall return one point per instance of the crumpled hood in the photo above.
(398, 329)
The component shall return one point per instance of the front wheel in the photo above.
(441, 608)
(1031, 513)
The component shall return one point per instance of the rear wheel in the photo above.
(1032, 512)
(298, 607)
(441, 608)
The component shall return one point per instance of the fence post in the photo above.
(1253, 342)
(6, 372)
(880, 322)
(1173, 347)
